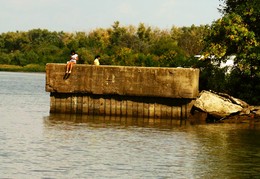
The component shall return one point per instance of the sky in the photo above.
(87, 15)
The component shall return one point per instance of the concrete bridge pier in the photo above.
(145, 92)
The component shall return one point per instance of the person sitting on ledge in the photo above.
(96, 61)
(73, 60)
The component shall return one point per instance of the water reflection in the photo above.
(74, 146)
(103, 121)
(154, 148)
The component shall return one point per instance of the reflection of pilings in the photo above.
(115, 105)
(102, 121)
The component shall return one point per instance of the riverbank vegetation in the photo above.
(26, 68)
(235, 34)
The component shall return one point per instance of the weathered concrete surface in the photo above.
(123, 80)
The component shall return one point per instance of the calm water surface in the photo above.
(35, 144)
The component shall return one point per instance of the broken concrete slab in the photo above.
(216, 105)
(233, 100)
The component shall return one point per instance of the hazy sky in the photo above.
(86, 15)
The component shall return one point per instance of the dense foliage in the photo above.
(236, 34)
(141, 46)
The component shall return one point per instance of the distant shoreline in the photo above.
(27, 68)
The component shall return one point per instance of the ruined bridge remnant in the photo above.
(122, 90)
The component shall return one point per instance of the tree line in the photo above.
(236, 33)
(131, 46)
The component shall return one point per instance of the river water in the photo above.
(36, 144)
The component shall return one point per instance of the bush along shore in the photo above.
(26, 68)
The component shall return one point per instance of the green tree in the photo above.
(235, 34)
(230, 36)
(98, 40)
(144, 36)
(5, 58)
(191, 39)
(249, 10)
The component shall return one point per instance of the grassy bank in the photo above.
(27, 68)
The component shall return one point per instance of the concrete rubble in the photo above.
(212, 106)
